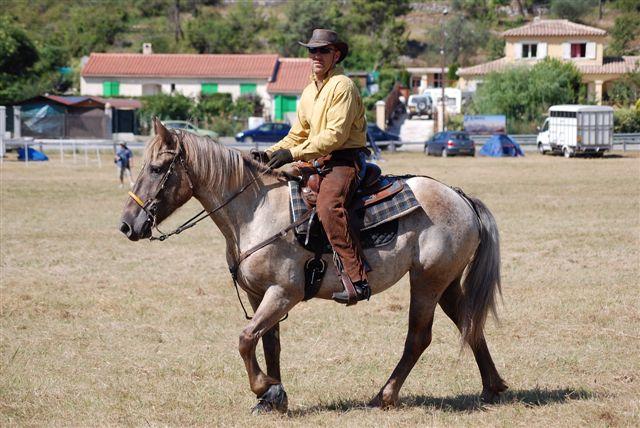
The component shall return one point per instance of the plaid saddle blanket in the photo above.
(394, 207)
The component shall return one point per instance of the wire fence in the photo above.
(94, 152)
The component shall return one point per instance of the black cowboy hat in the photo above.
(322, 37)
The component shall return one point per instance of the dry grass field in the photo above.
(99, 331)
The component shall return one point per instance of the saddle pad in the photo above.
(396, 206)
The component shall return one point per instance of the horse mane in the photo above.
(213, 163)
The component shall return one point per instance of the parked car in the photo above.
(420, 105)
(265, 133)
(449, 143)
(381, 138)
(188, 126)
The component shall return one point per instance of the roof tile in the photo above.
(292, 77)
(181, 65)
(553, 27)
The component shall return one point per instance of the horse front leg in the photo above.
(270, 344)
(269, 390)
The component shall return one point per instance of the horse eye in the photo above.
(155, 169)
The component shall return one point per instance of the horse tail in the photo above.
(482, 281)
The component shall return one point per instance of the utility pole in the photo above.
(442, 79)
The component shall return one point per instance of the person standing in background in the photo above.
(123, 160)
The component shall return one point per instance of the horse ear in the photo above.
(160, 130)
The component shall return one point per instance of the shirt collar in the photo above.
(334, 71)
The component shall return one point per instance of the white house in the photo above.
(278, 81)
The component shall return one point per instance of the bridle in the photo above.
(150, 207)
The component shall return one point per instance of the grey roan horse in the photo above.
(450, 250)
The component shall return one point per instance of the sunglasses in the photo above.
(322, 50)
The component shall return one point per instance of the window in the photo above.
(437, 80)
(248, 88)
(173, 88)
(529, 50)
(110, 89)
(578, 50)
(209, 88)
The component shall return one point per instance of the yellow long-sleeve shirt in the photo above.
(327, 120)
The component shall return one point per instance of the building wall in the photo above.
(555, 48)
(133, 87)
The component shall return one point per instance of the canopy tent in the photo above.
(501, 145)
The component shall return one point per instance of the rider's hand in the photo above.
(280, 157)
(259, 156)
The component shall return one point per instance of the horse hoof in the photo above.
(491, 395)
(275, 399)
(379, 402)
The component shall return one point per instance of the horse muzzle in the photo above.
(138, 227)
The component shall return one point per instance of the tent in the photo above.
(34, 155)
(499, 145)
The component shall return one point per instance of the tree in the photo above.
(524, 94)
(237, 32)
(624, 31)
(573, 10)
(166, 107)
(301, 17)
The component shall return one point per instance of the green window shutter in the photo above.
(209, 88)
(278, 101)
(248, 88)
(289, 104)
(110, 89)
(284, 104)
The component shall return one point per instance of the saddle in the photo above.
(375, 209)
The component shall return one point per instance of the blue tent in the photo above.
(34, 155)
(499, 145)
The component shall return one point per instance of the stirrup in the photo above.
(362, 292)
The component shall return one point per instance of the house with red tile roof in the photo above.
(278, 81)
(562, 39)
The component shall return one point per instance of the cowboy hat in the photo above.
(322, 37)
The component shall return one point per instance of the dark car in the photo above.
(265, 133)
(381, 138)
(450, 143)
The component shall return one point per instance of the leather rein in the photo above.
(150, 208)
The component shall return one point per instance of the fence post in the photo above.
(3, 129)
(381, 119)
(61, 152)
(75, 158)
(86, 155)
(98, 155)
(108, 112)
(624, 144)
(26, 153)
(17, 122)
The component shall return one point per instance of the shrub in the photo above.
(626, 120)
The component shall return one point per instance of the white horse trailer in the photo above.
(577, 129)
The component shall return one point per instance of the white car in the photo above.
(420, 105)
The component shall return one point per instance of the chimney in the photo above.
(147, 49)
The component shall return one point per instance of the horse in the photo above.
(450, 247)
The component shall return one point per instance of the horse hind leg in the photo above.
(421, 310)
(492, 383)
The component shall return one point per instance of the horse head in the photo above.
(163, 184)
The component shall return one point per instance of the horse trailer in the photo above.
(577, 129)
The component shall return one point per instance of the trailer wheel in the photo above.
(541, 149)
(567, 153)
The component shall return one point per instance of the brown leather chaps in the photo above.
(336, 191)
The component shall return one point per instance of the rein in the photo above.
(149, 207)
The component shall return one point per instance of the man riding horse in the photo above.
(330, 131)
